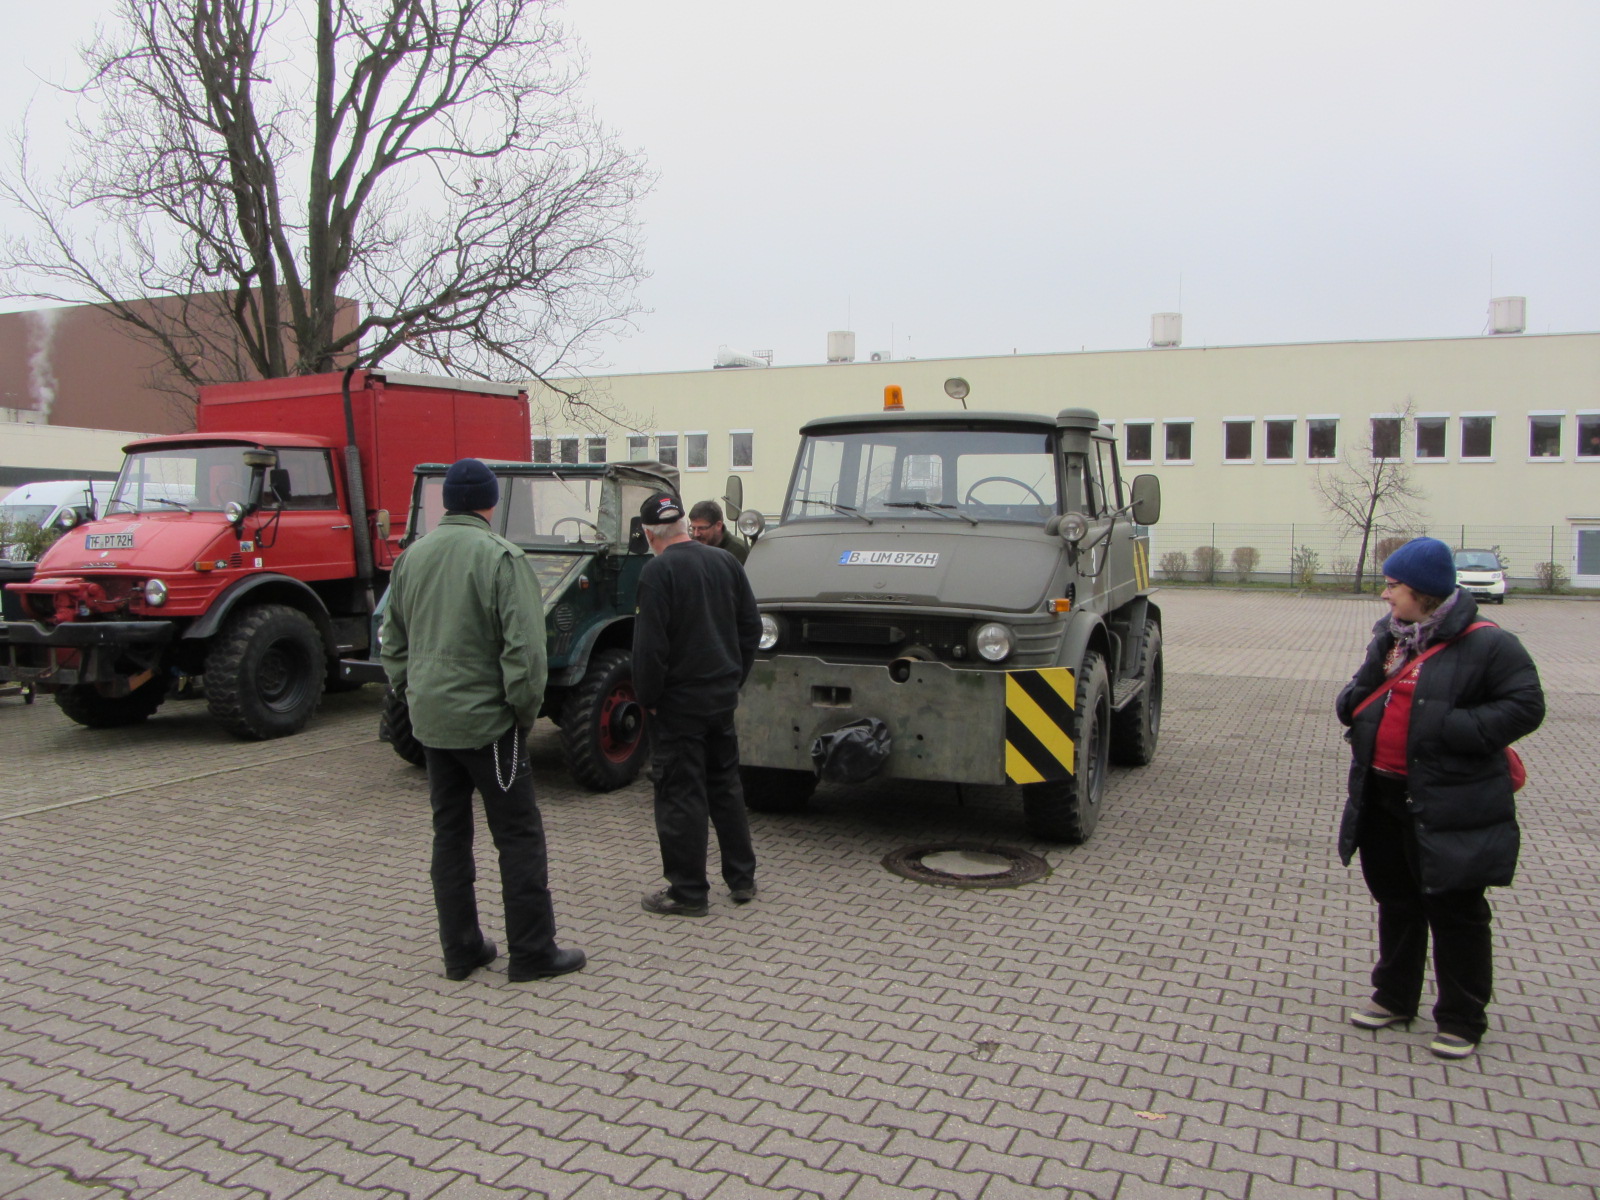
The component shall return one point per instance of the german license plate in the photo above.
(889, 558)
(108, 541)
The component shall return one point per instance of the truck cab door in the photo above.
(313, 538)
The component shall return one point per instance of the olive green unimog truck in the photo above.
(980, 583)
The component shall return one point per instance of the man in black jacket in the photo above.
(694, 643)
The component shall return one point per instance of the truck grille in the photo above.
(881, 638)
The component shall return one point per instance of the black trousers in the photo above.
(1463, 955)
(500, 773)
(695, 758)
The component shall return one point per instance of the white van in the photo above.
(43, 504)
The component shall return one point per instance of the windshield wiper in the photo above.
(841, 508)
(174, 503)
(941, 509)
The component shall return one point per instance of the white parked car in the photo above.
(1480, 572)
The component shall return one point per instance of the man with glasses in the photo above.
(707, 528)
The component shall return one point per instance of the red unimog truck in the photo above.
(248, 553)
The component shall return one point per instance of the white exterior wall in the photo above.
(1509, 377)
(58, 451)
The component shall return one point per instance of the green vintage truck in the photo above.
(977, 581)
(579, 524)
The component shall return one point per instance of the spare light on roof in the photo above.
(894, 400)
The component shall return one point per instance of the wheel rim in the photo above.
(281, 676)
(1098, 754)
(621, 723)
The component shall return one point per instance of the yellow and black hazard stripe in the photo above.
(1141, 563)
(1039, 718)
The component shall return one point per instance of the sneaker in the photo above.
(563, 962)
(1373, 1015)
(743, 895)
(1452, 1045)
(662, 904)
(486, 955)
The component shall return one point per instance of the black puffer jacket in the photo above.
(1473, 699)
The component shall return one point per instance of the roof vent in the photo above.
(1508, 314)
(1166, 329)
(841, 346)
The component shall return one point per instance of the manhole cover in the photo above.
(967, 866)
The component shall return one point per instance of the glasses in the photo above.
(693, 528)
(1389, 585)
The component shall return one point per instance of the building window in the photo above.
(1386, 438)
(1322, 438)
(1179, 441)
(742, 449)
(1280, 439)
(694, 452)
(569, 449)
(1138, 441)
(596, 450)
(1238, 441)
(1544, 435)
(638, 447)
(541, 450)
(667, 449)
(1430, 436)
(1589, 435)
(1477, 436)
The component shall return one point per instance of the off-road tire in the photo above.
(776, 790)
(1067, 810)
(88, 707)
(603, 732)
(1137, 728)
(394, 727)
(264, 672)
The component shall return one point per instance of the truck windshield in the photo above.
(925, 473)
(195, 478)
(533, 508)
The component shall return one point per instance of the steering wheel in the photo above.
(1002, 479)
(599, 534)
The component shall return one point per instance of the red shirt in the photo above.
(1390, 752)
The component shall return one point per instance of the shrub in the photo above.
(1303, 565)
(1552, 576)
(1245, 561)
(1207, 562)
(1174, 564)
(1343, 569)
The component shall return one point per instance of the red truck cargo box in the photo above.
(400, 420)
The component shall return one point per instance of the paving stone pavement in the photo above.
(219, 976)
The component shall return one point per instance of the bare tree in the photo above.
(1370, 492)
(307, 184)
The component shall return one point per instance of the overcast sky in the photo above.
(954, 179)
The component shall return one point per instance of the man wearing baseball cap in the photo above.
(463, 644)
(693, 645)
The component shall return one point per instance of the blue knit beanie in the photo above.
(469, 486)
(1425, 565)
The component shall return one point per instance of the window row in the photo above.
(1317, 439)
(688, 450)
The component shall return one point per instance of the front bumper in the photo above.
(955, 726)
(80, 651)
(1483, 588)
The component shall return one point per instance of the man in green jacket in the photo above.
(463, 644)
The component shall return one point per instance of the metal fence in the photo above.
(1329, 552)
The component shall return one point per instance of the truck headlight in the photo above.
(155, 593)
(751, 523)
(994, 642)
(770, 632)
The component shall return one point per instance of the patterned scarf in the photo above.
(1411, 638)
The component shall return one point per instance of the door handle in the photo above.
(338, 527)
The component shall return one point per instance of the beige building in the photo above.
(1503, 438)
(32, 453)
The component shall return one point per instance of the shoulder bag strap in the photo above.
(1384, 687)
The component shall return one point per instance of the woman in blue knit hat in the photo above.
(1430, 715)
